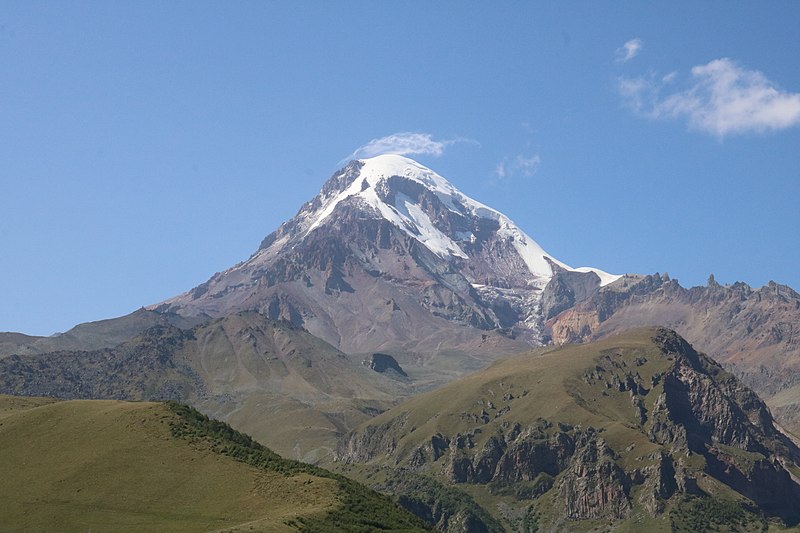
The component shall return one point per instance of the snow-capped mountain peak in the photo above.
(377, 183)
(403, 212)
(390, 253)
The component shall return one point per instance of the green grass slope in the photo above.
(637, 433)
(123, 466)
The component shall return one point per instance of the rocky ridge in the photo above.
(649, 423)
(752, 332)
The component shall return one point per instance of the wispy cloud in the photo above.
(629, 50)
(500, 170)
(640, 94)
(405, 143)
(721, 98)
(527, 165)
(519, 165)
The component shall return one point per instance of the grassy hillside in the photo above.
(122, 466)
(639, 431)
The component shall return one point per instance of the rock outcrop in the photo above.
(566, 289)
(594, 485)
(381, 362)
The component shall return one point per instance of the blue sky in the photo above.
(146, 145)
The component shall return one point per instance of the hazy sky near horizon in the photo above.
(146, 145)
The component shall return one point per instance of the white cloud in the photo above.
(669, 78)
(521, 164)
(722, 98)
(528, 165)
(629, 50)
(638, 93)
(500, 170)
(405, 143)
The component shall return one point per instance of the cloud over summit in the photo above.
(404, 143)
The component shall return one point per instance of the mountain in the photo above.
(638, 431)
(289, 389)
(391, 283)
(122, 466)
(392, 257)
(752, 332)
(390, 262)
(93, 335)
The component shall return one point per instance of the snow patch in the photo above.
(605, 277)
(429, 235)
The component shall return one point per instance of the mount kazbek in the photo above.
(391, 256)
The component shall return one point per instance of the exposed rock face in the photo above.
(591, 485)
(710, 412)
(661, 481)
(381, 362)
(709, 403)
(752, 332)
(448, 509)
(565, 289)
(533, 453)
(594, 486)
(375, 440)
(519, 455)
(439, 515)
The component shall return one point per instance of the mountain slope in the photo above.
(635, 429)
(120, 466)
(93, 335)
(289, 389)
(391, 240)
